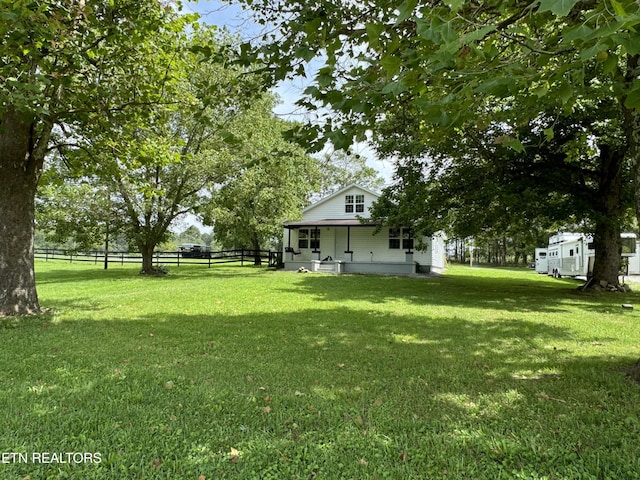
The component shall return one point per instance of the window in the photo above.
(315, 239)
(394, 238)
(407, 239)
(303, 238)
(309, 238)
(354, 203)
(397, 234)
(348, 203)
(628, 246)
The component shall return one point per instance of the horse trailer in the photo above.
(572, 254)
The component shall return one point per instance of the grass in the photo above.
(240, 372)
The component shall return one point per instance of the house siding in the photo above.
(371, 252)
(334, 208)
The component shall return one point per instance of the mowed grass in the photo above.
(242, 372)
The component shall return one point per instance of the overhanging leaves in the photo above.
(561, 8)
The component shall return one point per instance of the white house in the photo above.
(331, 238)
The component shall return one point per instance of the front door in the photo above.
(327, 243)
(341, 244)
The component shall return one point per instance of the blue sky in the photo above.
(239, 22)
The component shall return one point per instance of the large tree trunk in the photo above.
(257, 259)
(147, 259)
(21, 158)
(608, 246)
(607, 242)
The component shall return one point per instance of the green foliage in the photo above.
(265, 180)
(448, 66)
(448, 58)
(342, 168)
(54, 54)
(163, 165)
(474, 186)
(482, 373)
(190, 235)
(66, 69)
(470, 181)
(76, 211)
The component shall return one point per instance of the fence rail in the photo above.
(273, 259)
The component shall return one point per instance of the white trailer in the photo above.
(568, 255)
(542, 264)
(572, 255)
(630, 251)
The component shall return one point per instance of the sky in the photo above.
(238, 21)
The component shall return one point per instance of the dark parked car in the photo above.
(194, 250)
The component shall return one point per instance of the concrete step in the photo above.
(326, 268)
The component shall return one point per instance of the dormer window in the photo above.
(354, 203)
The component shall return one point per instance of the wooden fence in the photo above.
(271, 258)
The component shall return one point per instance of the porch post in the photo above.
(289, 249)
(348, 250)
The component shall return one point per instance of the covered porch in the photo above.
(344, 246)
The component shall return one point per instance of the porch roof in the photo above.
(340, 222)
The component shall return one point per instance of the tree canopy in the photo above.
(62, 63)
(159, 169)
(453, 65)
(343, 167)
(265, 181)
(448, 58)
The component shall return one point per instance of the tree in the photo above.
(165, 167)
(267, 181)
(191, 235)
(474, 185)
(76, 211)
(62, 63)
(447, 62)
(342, 168)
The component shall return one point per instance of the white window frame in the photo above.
(354, 203)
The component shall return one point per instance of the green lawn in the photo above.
(241, 372)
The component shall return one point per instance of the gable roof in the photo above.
(338, 193)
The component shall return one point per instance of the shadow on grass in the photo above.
(326, 393)
(83, 273)
(518, 294)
